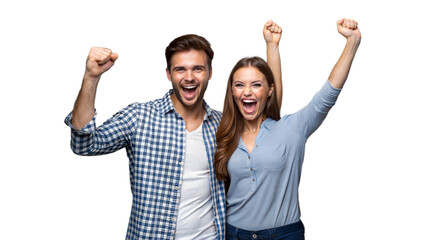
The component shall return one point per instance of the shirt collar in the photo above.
(267, 123)
(166, 105)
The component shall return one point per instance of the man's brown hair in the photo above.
(189, 42)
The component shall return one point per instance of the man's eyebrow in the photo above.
(199, 66)
(178, 67)
(195, 66)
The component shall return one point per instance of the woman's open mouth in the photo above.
(249, 105)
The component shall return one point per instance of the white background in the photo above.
(363, 176)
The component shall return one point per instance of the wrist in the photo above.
(90, 82)
(88, 78)
(272, 46)
(353, 40)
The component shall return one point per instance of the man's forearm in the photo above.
(84, 107)
(99, 61)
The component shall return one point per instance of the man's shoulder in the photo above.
(216, 114)
(156, 105)
(212, 113)
(214, 118)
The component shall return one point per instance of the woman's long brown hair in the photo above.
(232, 123)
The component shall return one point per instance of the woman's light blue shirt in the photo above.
(264, 183)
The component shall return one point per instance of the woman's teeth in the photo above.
(249, 105)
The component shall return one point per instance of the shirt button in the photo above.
(180, 163)
(254, 236)
(251, 169)
(256, 145)
(173, 219)
(248, 157)
(253, 180)
(177, 187)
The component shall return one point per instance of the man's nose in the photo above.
(189, 76)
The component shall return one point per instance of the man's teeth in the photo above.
(190, 87)
(249, 101)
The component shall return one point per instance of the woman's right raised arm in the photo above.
(349, 29)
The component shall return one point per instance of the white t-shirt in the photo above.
(195, 216)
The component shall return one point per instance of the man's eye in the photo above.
(179, 69)
(198, 69)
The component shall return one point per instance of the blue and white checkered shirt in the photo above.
(154, 136)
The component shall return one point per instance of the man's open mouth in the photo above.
(189, 92)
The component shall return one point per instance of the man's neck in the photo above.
(193, 116)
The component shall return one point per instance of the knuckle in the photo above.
(92, 56)
(94, 49)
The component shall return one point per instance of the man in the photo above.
(170, 144)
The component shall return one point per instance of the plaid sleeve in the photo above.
(111, 136)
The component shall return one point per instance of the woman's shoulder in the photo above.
(272, 124)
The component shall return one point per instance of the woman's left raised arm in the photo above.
(272, 34)
(349, 29)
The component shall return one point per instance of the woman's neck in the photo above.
(253, 126)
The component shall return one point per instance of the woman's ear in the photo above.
(271, 90)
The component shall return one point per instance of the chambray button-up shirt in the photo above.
(264, 183)
(153, 134)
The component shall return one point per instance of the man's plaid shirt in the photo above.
(153, 134)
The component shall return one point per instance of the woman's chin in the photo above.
(250, 117)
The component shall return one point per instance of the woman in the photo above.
(260, 155)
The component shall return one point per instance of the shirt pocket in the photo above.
(274, 156)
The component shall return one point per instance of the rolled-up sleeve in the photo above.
(111, 136)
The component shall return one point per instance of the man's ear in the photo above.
(168, 74)
(210, 73)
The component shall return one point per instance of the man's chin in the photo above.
(190, 103)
